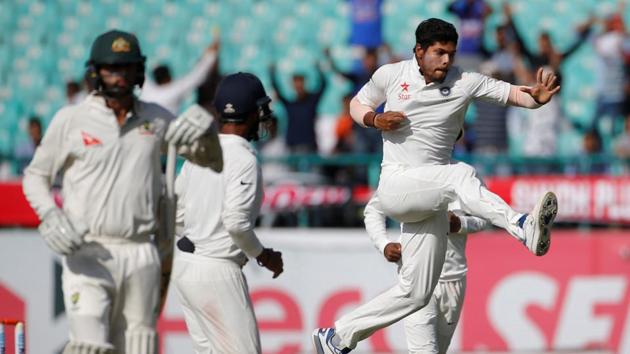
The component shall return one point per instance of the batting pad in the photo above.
(85, 348)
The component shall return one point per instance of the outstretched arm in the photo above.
(276, 87)
(583, 31)
(350, 76)
(507, 11)
(322, 83)
(537, 95)
(198, 73)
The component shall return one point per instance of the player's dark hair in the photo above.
(35, 120)
(371, 51)
(502, 27)
(435, 30)
(162, 74)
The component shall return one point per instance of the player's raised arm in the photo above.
(537, 95)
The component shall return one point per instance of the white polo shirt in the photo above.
(435, 111)
(218, 210)
(111, 174)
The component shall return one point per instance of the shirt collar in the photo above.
(416, 72)
(98, 102)
(234, 138)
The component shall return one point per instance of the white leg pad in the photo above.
(86, 348)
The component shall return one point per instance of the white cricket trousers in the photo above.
(423, 250)
(413, 194)
(431, 329)
(111, 290)
(418, 197)
(216, 304)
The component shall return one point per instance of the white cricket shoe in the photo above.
(537, 225)
(322, 340)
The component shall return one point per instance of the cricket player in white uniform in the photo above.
(431, 329)
(426, 100)
(108, 148)
(216, 214)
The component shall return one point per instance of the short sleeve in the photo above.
(486, 88)
(374, 92)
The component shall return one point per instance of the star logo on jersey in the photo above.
(404, 94)
(89, 140)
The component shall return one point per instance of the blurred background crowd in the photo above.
(313, 56)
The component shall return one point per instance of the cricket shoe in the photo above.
(537, 225)
(322, 340)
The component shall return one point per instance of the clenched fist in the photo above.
(389, 120)
(392, 252)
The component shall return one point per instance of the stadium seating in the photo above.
(44, 43)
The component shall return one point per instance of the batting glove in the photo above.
(59, 233)
(189, 126)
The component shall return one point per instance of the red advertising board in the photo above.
(598, 199)
(575, 298)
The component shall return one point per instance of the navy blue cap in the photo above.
(238, 95)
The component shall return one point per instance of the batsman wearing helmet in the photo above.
(108, 148)
(216, 213)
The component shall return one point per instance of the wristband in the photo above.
(369, 119)
(260, 261)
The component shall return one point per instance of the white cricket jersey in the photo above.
(219, 210)
(111, 173)
(435, 111)
(455, 264)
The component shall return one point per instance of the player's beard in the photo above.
(432, 67)
(116, 91)
(439, 76)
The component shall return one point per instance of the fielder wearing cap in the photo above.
(216, 214)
